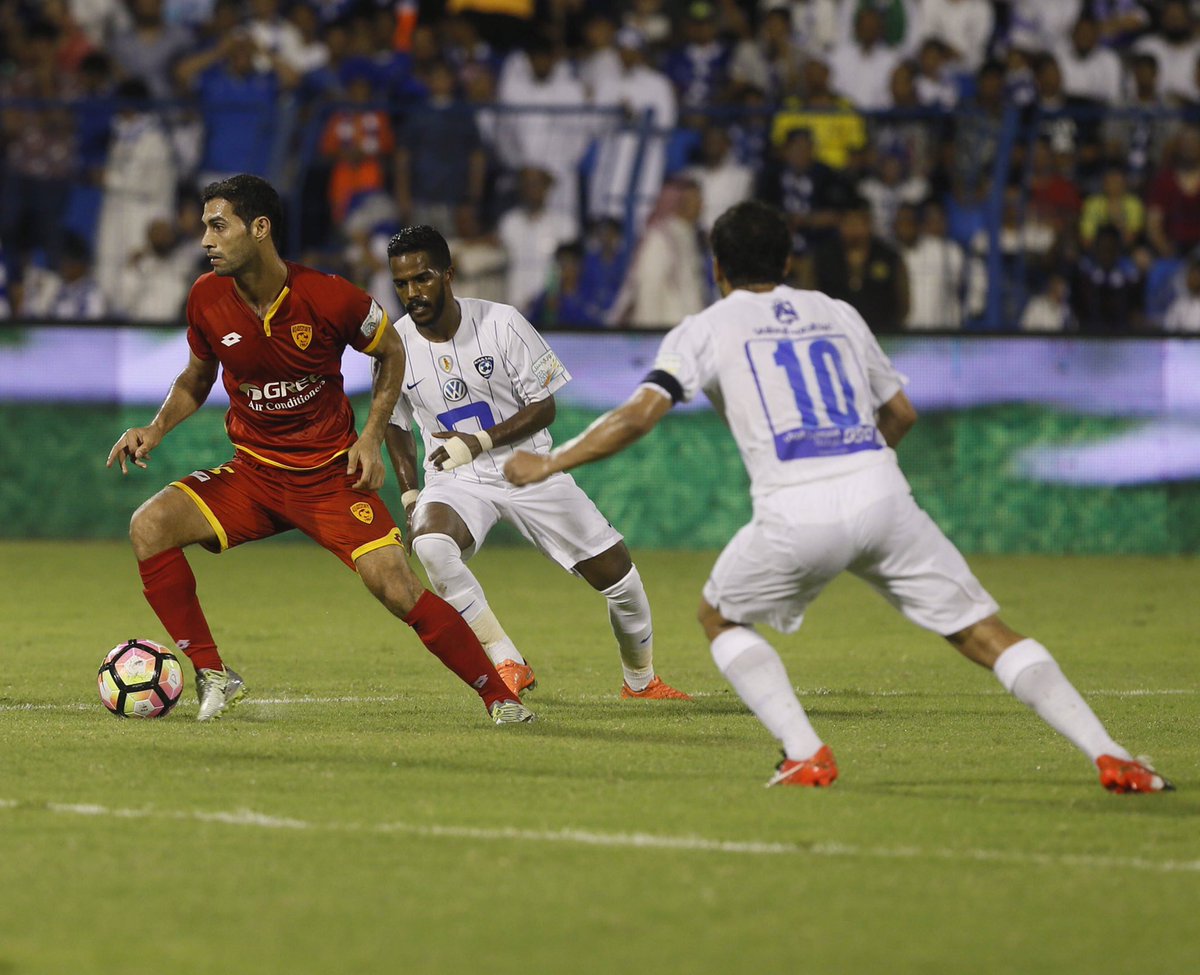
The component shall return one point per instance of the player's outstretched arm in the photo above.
(608, 435)
(523, 424)
(895, 418)
(402, 452)
(186, 396)
(364, 456)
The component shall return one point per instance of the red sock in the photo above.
(448, 637)
(170, 589)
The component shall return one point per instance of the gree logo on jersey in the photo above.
(302, 335)
(362, 511)
(282, 395)
(485, 365)
(454, 389)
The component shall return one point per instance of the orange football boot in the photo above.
(518, 677)
(656, 690)
(817, 770)
(1118, 775)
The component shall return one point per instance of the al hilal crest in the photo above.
(485, 364)
(446, 363)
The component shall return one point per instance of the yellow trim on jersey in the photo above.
(274, 308)
(385, 324)
(207, 512)
(285, 467)
(391, 538)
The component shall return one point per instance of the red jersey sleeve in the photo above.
(360, 317)
(197, 340)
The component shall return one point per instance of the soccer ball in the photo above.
(140, 679)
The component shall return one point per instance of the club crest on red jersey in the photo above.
(302, 335)
(362, 511)
(485, 365)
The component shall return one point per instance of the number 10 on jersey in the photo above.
(809, 398)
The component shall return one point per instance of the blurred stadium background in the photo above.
(1009, 192)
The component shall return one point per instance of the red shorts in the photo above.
(245, 500)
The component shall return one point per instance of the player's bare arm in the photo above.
(187, 394)
(402, 452)
(364, 456)
(524, 423)
(895, 418)
(608, 435)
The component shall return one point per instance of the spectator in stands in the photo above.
(1173, 211)
(772, 60)
(357, 140)
(1054, 196)
(149, 47)
(605, 261)
(668, 275)
(440, 161)
(809, 193)
(1050, 310)
(531, 232)
(837, 130)
(93, 108)
(40, 147)
(964, 26)
(1140, 131)
(865, 271)
(479, 258)
(1121, 22)
(70, 293)
(100, 20)
(723, 181)
(157, 277)
(1037, 26)
(649, 19)
(599, 62)
(899, 20)
(934, 85)
(750, 130)
(1108, 291)
(1184, 313)
(1175, 47)
(563, 303)
(1070, 124)
(238, 103)
(1114, 205)
(1089, 71)
(311, 51)
(540, 124)
(861, 69)
(935, 273)
(637, 92)
(275, 36)
(978, 127)
(699, 67)
(888, 185)
(139, 183)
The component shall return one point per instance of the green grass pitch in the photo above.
(360, 814)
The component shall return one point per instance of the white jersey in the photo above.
(798, 375)
(495, 365)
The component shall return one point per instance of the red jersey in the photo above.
(283, 373)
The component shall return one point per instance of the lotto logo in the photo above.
(231, 339)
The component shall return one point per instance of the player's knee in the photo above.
(441, 557)
(389, 579)
(147, 529)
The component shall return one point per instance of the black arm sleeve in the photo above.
(668, 383)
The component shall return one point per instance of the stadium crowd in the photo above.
(943, 164)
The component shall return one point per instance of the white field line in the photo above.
(630, 841)
(803, 692)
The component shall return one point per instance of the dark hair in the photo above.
(422, 238)
(752, 243)
(251, 197)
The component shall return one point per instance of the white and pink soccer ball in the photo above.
(140, 679)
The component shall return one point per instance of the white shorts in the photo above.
(866, 523)
(561, 521)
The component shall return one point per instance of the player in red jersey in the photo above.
(278, 331)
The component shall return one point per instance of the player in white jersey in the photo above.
(816, 408)
(480, 380)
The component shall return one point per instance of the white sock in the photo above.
(754, 669)
(629, 614)
(1030, 674)
(455, 583)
